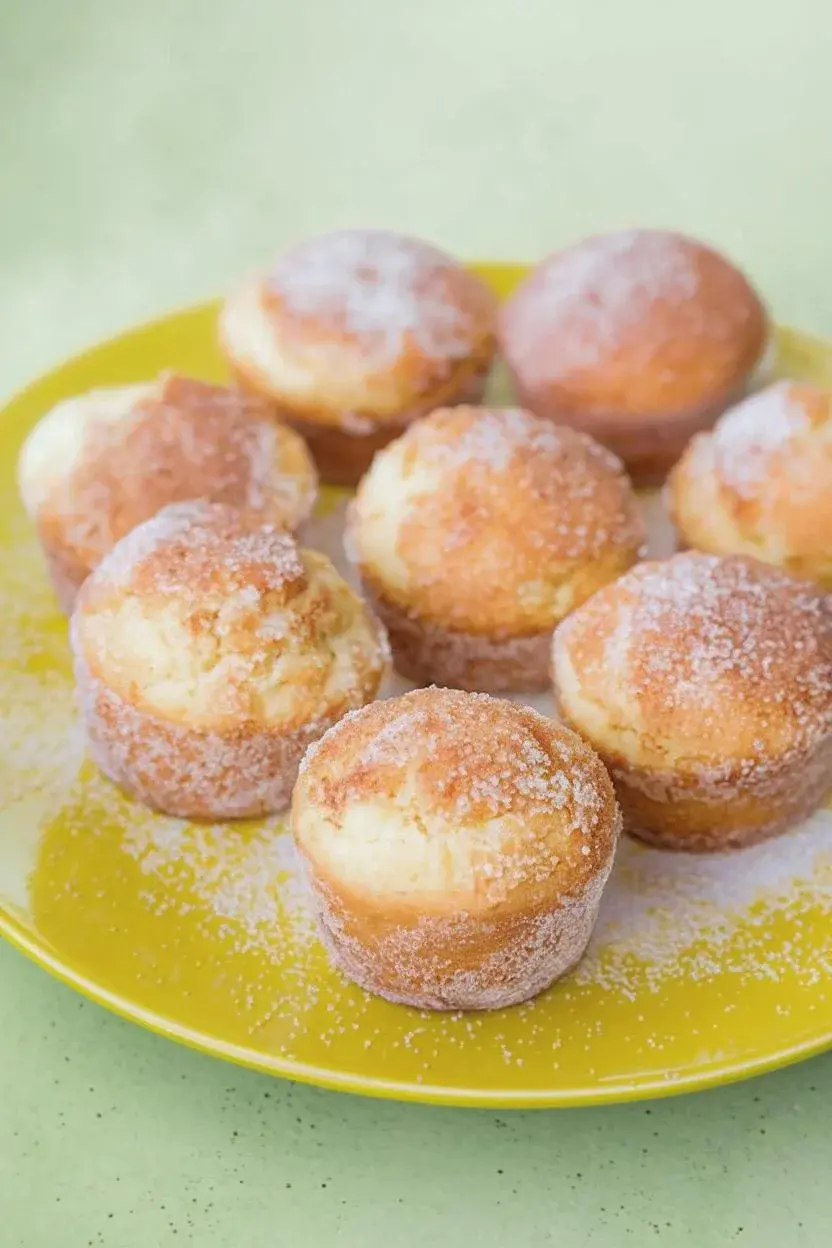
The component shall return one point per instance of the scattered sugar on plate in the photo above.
(665, 916)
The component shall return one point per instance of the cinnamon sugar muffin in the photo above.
(355, 334)
(761, 483)
(100, 463)
(640, 337)
(477, 531)
(209, 652)
(705, 684)
(457, 847)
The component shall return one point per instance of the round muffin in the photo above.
(355, 334)
(209, 652)
(477, 531)
(705, 684)
(641, 337)
(457, 847)
(99, 464)
(761, 483)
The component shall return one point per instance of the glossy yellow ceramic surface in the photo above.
(701, 970)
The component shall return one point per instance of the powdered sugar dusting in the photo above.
(472, 759)
(501, 524)
(427, 964)
(698, 629)
(209, 540)
(750, 436)
(384, 289)
(494, 438)
(588, 299)
(247, 878)
(665, 916)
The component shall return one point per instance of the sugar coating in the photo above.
(761, 483)
(99, 464)
(209, 652)
(424, 964)
(759, 431)
(492, 521)
(199, 541)
(383, 289)
(696, 632)
(207, 617)
(457, 847)
(57, 443)
(591, 298)
(197, 775)
(741, 627)
(706, 684)
(475, 758)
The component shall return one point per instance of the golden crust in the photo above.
(761, 483)
(208, 617)
(361, 330)
(209, 652)
(705, 684)
(493, 523)
(100, 464)
(641, 337)
(457, 846)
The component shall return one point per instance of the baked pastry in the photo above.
(640, 337)
(354, 334)
(457, 847)
(477, 531)
(705, 684)
(99, 464)
(761, 483)
(209, 652)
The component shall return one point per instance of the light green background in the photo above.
(150, 151)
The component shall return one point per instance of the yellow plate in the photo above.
(701, 971)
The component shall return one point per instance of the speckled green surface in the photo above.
(147, 153)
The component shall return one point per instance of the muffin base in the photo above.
(430, 655)
(461, 962)
(188, 773)
(718, 810)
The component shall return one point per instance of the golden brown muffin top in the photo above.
(100, 464)
(490, 520)
(458, 799)
(366, 322)
(633, 323)
(206, 615)
(761, 482)
(700, 659)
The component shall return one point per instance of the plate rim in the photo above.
(15, 933)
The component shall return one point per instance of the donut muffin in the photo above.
(477, 531)
(761, 483)
(354, 334)
(640, 337)
(99, 464)
(209, 652)
(457, 848)
(705, 684)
